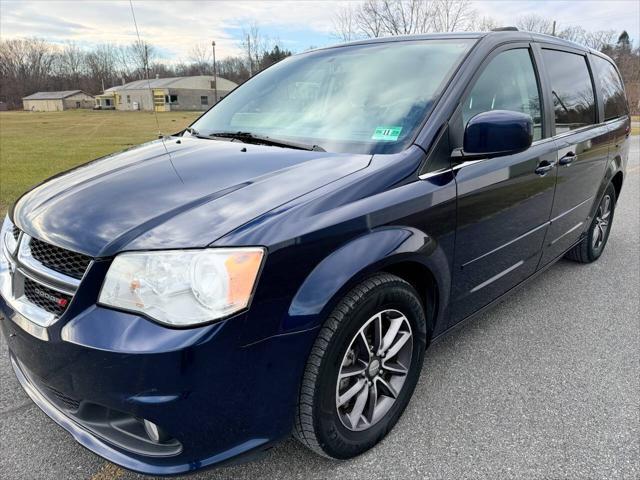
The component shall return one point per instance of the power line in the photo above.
(153, 103)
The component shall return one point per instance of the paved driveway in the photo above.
(545, 385)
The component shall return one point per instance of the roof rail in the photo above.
(505, 29)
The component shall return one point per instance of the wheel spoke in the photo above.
(366, 345)
(387, 388)
(352, 370)
(351, 392)
(390, 336)
(358, 407)
(596, 235)
(397, 346)
(373, 402)
(395, 367)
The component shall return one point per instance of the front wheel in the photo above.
(363, 368)
(592, 246)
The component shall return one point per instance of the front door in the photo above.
(504, 202)
(583, 145)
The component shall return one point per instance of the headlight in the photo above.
(6, 235)
(183, 287)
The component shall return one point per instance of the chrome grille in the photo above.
(63, 261)
(16, 232)
(46, 298)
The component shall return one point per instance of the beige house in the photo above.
(58, 101)
(166, 94)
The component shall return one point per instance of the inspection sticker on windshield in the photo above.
(387, 133)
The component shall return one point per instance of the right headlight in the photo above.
(183, 287)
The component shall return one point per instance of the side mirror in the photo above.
(496, 133)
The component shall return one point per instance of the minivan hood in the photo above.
(186, 196)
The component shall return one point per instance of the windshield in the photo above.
(358, 99)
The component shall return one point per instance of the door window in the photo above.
(615, 103)
(571, 89)
(508, 83)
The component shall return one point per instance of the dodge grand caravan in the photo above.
(282, 264)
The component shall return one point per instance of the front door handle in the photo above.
(568, 159)
(543, 168)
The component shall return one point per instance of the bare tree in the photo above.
(101, 64)
(452, 15)
(486, 24)
(141, 55)
(254, 44)
(535, 23)
(25, 66)
(344, 23)
(200, 57)
(376, 18)
(369, 21)
(598, 39)
(71, 61)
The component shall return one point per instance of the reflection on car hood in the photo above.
(145, 199)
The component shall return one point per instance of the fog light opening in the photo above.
(154, 432)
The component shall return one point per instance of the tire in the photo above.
(593, 244)
(383, 303)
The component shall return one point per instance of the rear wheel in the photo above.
(592, 246)
(363, 368)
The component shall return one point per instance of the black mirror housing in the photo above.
(497, 133)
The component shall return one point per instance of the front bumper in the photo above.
(215, 396)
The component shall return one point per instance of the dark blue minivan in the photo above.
(282, 264)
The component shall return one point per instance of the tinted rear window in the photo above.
(615, 103)
(572, 89)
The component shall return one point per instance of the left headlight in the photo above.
(183, 287)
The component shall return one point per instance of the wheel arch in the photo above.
(406, 252)
(420, 277)
(613, 175)
(617, 183)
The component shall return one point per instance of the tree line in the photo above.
(379, 18)
(29, 65)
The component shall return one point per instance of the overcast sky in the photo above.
(175, 26)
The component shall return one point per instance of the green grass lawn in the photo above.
(36, 145)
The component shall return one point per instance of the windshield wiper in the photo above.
(194, 133)
(249, 137)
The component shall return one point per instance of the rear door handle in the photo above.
(543, 168)
(568, 159)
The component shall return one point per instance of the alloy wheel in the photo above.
(374, 369)
(601, 224)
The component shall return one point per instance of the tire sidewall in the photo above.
(334, 438)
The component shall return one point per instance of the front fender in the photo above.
(367, 254)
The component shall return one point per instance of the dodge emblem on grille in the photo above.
(60, 301)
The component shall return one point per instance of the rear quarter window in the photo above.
(615, 101)
(571, 89)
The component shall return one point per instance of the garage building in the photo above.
(166, 94)
(58, 101)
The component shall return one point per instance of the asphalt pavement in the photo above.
(545, 385)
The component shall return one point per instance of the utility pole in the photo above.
(215, 74)
(249, 52)
(553, 31)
